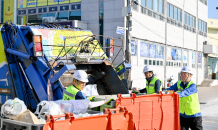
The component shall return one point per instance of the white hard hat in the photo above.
(147, 68)
(81, 76)
(187, 69)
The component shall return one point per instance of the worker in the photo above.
(190, 114)
(73, 92)
(153, 84)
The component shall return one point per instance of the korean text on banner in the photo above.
(9, 11)
(31, 3)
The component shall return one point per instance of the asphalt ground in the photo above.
(208, 98)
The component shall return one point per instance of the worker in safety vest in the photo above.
(190, 114)
(153, 84)
(73, 92)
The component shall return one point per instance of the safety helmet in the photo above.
(147, 68)
(187, 69)
(81, 76)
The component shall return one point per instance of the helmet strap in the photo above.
(187, 77)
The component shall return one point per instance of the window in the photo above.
(179, 15)
(204, 1)
(171, 11)
(146, 62)
(158, 63)
(168, 10)
(150, 62)
(161, 63)
(202, 26)
(143, 3)
(189, 20)
(161, 3)
(149, 4)
(154, 62)
(174, 12)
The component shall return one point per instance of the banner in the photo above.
(31, 3)
(55, 39)
(73, 1)
(25, 20)
(9, 11)
(64, 1)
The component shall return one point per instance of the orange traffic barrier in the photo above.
(121, 120)
(154, 111)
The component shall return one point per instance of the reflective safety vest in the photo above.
(190, 104)
(151, 86)
(70, 93)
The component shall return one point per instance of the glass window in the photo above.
(101, 4)
(143, 3)
(149, 4)
(171, 11)
(205, 27)
(161, 63)
(150, 62)
(199, 25)
(154, 62)
(175, 13)
(146, 62)
(193, 24)
(168, 9)
(155, 5)
(191, 20)
(187, 19)
(161, 3)
(75, 15)
(158, 62)
(179, 15)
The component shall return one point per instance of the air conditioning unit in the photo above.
(48, 19)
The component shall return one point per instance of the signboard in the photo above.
(144, 49)
(120, 30)
(152, 50)
(22, 12)
(42, 3)
(25, 20)
(169, 55)
(160, 52)
(9, 11)
(31, 11)
(76, 7)
(193, 57)
(64, 8)
(199, 58)
(42, 10)
(185, 56)
(53, 9)
(133, 47)
(31, 3)
(39, 3)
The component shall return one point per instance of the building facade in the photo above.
(167, 34)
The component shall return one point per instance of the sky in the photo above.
(212, 11)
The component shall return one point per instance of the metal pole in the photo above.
(196, 56)
(165, 71)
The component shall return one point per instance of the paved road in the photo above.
(208, 98)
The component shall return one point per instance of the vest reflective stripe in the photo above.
(70, 93)
(190, 104)
(151, 87)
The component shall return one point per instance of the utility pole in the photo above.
(165, 59)
(127, 53)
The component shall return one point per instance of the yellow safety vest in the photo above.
(151, 86)
(190, 104)
(70, 93)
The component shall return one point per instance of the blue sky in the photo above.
(212, 11)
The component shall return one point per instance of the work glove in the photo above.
(108, 100)
(136, 92)
(92, 98)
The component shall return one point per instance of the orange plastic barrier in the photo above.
(121, 120)
(154, 111)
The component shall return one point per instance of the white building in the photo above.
(164, 32)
